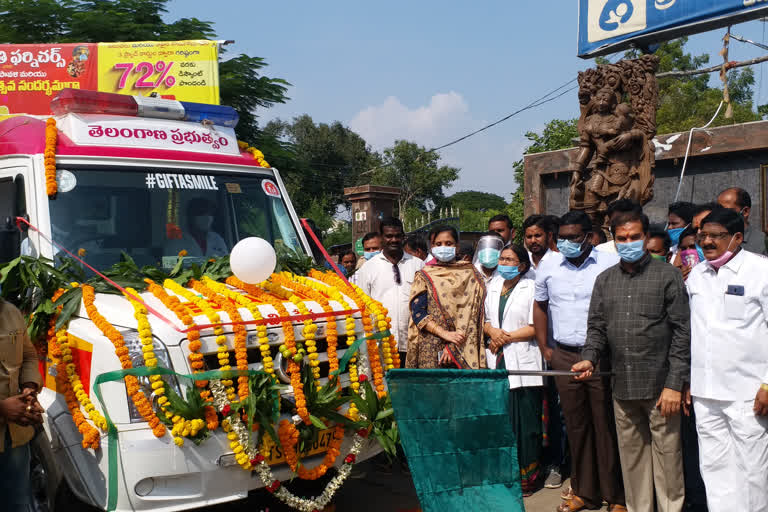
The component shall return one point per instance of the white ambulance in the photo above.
(125, 164)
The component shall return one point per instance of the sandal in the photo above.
(567, 494)
(617, 508)
(572, 505)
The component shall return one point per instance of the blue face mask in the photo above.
(700, 252)
(369, 255)
(570, 249)
(508, 272)
(674, 234)
(489, 258)
(444, 253)
(631, 251)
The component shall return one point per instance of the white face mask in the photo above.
(202, 223)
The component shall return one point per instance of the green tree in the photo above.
(325, 159)
(416, 171)
(242, 85)
(478, 201)
(688, 101)
(557, 134)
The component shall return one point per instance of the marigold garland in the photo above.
(253, 308)
(302, 285)
(218, 330)
(294, 370)
(349, 323)
(66, 375)
(132, 383)
(241, 334)
(365, 303)
(289, 438)
(193, 335)
(49, 157)
(257, 155)
(278, 285)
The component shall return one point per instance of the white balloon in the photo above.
(252, 260)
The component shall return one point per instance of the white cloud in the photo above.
(485, 159)
(381, 125)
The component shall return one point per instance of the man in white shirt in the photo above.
(538, 234)
(729, 365)
(387, 278)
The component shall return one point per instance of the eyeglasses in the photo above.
(396, 270)
(511, 261)
(701, 236)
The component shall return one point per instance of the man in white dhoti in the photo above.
(729, 365)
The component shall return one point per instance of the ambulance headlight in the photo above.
(138, 353)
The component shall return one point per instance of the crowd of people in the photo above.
(660, 335)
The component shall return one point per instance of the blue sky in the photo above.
(427, 71)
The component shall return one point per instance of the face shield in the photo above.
(487, 252)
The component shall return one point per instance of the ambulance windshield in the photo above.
(153, 214)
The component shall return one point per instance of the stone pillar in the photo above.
(370, 203)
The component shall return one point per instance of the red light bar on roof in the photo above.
(92, 102)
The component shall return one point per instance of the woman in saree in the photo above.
(509, 325)
(447, 310)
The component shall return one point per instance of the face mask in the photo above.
(371, 254)
(674, 234)
(489, 258)
(659, 257)
(508, 272)
(570, 249)
(202, 223)
(700, 252)
(631, 251)
(444, 253)
(689, 257)
(723, 258)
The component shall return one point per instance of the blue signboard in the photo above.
(608, 26)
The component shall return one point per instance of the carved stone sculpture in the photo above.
(615, 158)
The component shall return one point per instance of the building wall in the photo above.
(705, 177)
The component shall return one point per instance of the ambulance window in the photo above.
(153, 214)
(10, 247)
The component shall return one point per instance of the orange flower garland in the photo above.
(290, 342)
(278, 285)
(253, 308)
(132, 383)
(301, 285)
(336, 295)
(49, 157)
(364, 302)
(241, 334)
(289, 437)
(218, 330)
(91, 436)
(257, 155)
(174, 304)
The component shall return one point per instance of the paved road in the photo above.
(377, 491)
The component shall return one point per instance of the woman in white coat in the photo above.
(509, 325)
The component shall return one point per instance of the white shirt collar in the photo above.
(734, 264)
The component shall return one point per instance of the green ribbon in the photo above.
(353, 348)
(146, 371)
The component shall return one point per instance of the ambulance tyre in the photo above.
(48, 494)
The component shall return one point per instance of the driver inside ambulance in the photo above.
(199, 239)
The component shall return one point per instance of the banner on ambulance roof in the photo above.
(32, 74)
(608, 26)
